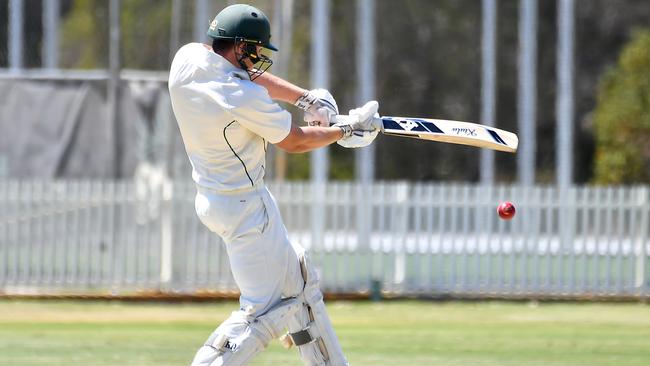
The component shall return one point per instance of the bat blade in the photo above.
(455, 132)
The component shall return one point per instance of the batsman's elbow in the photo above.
(294, 149)
(294, 142)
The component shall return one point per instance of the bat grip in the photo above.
(343, 119)
(346, 120)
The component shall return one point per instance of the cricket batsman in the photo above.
(224, 103)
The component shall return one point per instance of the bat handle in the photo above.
(345, 120)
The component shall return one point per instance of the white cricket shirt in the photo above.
(225, 119)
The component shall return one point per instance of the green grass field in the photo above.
(388, 333)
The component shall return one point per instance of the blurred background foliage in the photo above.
(84, 35)
(428, 64)
(145, 27)
(622, 117)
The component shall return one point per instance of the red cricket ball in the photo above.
(506, 210)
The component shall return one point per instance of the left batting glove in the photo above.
(363, 129)
(319, 106)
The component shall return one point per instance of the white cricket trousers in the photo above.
(263, 261)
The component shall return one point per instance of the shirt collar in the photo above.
(220, 62)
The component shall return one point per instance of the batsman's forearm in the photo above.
(280, 89)
(308, 138)
(316, 137)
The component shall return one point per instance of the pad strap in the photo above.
(302, 337)
(305, 336)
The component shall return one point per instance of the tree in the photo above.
(145, 26)
(622, 117)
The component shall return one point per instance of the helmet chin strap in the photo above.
(250, 52)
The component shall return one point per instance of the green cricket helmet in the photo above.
(242, 22)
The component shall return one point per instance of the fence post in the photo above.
(318, 214)
(50, 48)
(15, 42)
(401, 212)
(4, 233)
(202, 18)
(641, 245)
(166, 234)
(526, 111)
(364, 226)
(175, 28)
(567, 217)
(113, 85)
(488, 82)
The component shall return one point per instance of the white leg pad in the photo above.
(311, 329)
(238, 339)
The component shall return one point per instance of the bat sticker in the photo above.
(495, 136)
(408, 124)
(414, 125)
(464, 131)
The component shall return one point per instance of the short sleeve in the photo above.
(254, 109)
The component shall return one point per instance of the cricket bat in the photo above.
(454, 132)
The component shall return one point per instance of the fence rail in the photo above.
(95, 237)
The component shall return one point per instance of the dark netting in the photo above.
(61, 129)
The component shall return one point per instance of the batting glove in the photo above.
(363, 129)
(319, 106)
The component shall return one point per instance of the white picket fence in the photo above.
(93, 237)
